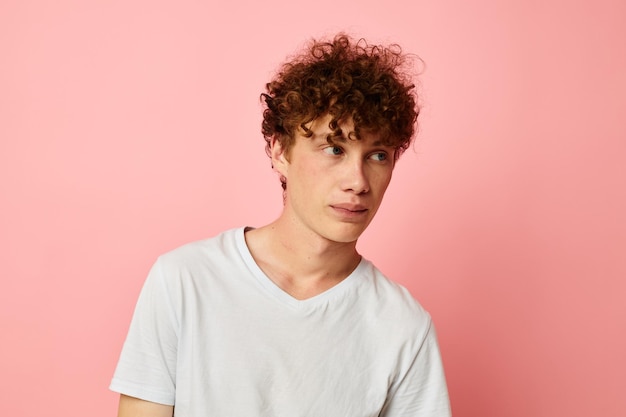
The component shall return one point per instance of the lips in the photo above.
(350, 208)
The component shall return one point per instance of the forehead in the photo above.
(321, 125)
(321, 130)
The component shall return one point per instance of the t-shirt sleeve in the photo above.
(422, 391)
(147, 364)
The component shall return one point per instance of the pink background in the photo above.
(130, 127)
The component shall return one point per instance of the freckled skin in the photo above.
(334, 191)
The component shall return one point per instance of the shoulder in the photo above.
(204, 252)
(200, 261)
(394, 305)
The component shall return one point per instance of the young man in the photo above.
(288, 319)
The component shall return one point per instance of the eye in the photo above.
(379, 156)
(333, 150)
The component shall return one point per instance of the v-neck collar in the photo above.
(310, 303)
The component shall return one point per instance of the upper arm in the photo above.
(134, 407)
(422, 390)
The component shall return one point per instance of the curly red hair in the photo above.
(345, 78)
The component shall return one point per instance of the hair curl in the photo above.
(344, 78)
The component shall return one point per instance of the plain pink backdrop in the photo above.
(130, 127)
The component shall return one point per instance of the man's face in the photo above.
(334, 190)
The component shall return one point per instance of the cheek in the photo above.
(309, 172)
(381, 181)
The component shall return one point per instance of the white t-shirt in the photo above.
(214, 336)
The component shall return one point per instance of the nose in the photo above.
(355, 178)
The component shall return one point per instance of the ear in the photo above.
(280, 163)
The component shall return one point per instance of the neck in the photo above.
(300, 262)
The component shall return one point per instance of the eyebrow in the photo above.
(340, 139)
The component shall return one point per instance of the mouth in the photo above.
(350, 210)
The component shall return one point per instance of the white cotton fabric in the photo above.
(214, 336)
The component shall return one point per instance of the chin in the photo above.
(345, 234)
